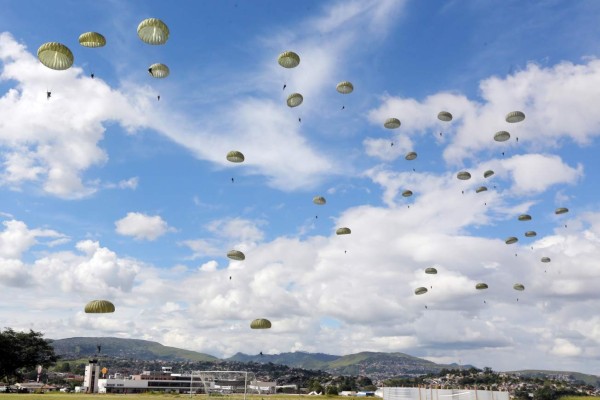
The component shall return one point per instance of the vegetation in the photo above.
(22, 351)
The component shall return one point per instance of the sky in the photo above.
(108, 192)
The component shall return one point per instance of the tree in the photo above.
(332, 390)
(20, 351)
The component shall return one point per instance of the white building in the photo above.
(90, 378)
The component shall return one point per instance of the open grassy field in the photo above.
(144, 396)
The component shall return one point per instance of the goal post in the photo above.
(219, 383)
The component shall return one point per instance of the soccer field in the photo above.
(147, 396)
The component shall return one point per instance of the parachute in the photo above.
(501, 136)
(260, 323)
(288, 59)
(319, 200)
(420, 290)
(561, 210)
(519, 287)
(343, 231)
(235, 156)
(344, 87)
(407, 193)
(488, 173)
(545, 259)
(444, 116)
(530, 234)
(515, 116)
(392, 123)
(153, 31)
(159, 70)
(236, 255)
(411, 156)
(481, 189)
(524, 217)
(92, 39)
(55, 55)
(481, 286)
(294, 100)
(511, 240)
(99, 306)
(463, 175)
(431, 270)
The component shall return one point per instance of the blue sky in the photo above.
(109, 193)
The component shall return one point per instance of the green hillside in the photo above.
(593, 380)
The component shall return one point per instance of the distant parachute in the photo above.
(511, 240)
(55, 55)
(344, 87)
(420, 290)
(99, 306)
(235, 156)
(519, 287)
(236, 255)
(294, 100)
(260, 323)
(159, 70)
(319, 200)
(392, 123)
(488, 173)
(343, 231)
(545, 259)
(481, 189)
(444, 116)
(411, 156)
(530, 233)
(501, 136)
(515, 116)
(431, 271)
(481, 286)
(561, 210)
(153, 31)
(524, 217)
(288, 59)
(407, 193)
(92, 39)
(463, 175)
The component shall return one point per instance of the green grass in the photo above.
(146, 396)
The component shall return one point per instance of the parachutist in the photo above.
(425, 307)
(414, 170)
(158, 97)
(316, 216)
(232, 180)
(343, 107)
(391, 144)
(484, 302)
(92, 76)
(517, 140)
(299, 119)
(485, 204)
(503, 153)
(48, 95)
(440, 133)
(261, 353)
(230, 278)
(344, 251)
(463, 192)
(284, 86)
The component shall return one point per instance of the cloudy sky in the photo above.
(109, 193)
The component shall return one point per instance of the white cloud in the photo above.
(142, 226)
(564, 348)
(17, 238)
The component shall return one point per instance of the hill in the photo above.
(84, 347)
(593, 380)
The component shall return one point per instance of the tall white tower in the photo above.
(90, 379)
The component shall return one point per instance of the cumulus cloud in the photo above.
(141, 226)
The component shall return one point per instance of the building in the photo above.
(90, 378)
(422, 393)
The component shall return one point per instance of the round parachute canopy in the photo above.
(481, 189)
(488, 173)
(235, 156)
(511, 240)
(421, 290)
(344, 87)
(524, 217)
(343, 231)
(501, 136)
(530, 234)
(288, 59)
(294, 100)
(55, 56)
(463, 175)
(159, 70)
(153, 31)
(319, 200)
(481, 286)
(561, 210)
(515, 116)
(92, 39)
(392, 123)
(407, 193)
(236, 255)
(411, 156)
(430, 270)
(545, 259)
(519, 287)
(260, 323)
(444, 116)
(99, 306)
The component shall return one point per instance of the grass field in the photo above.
(148, 396)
